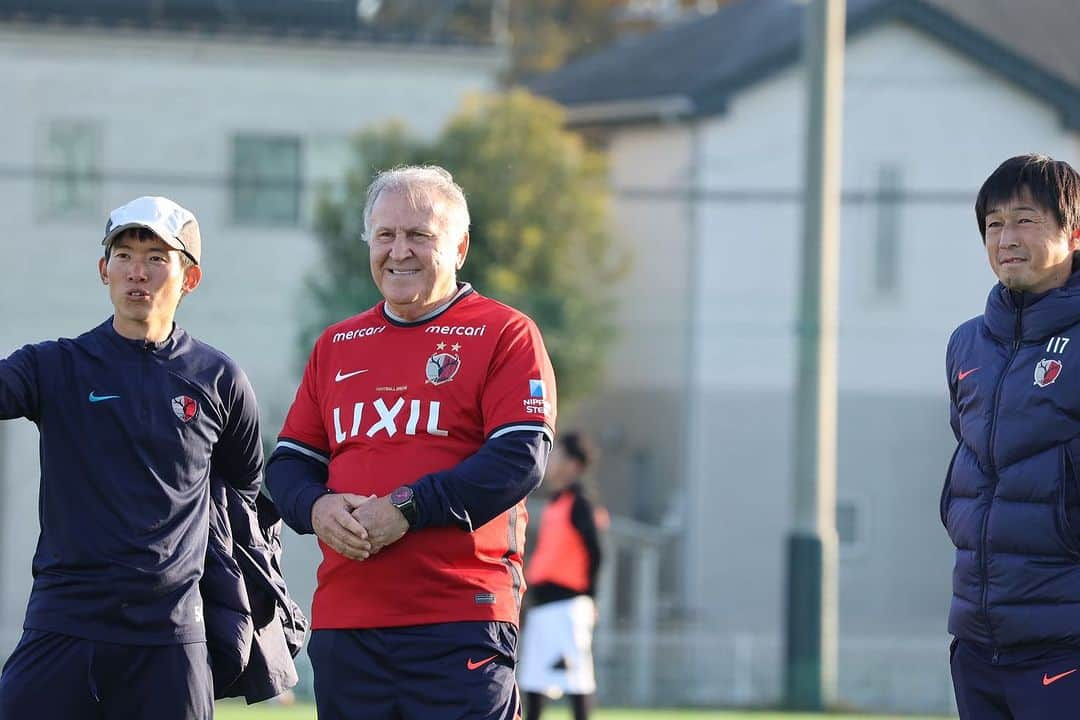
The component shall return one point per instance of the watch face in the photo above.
(401, 495)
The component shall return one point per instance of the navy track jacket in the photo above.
(1010, 500)
(131, 433)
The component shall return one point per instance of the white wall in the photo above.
(946, 123)
(169, 105)
(651, 168)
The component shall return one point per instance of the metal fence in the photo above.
(693, 667)
(641, 663)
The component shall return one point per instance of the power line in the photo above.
(246, 182)
(628, 192)
(796, 196)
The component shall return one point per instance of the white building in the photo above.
(106, 101)
(704, 122)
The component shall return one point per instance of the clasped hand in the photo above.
(357, 526)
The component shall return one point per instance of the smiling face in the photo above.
(146, 280)
(1027, 248)
(416, 249)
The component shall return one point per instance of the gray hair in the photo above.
(415, 180)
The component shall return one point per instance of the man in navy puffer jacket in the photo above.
(1011, 501)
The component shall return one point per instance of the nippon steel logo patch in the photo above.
(1047, 371)
(537, 403)
(185, 408)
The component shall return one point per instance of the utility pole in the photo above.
(811, 619)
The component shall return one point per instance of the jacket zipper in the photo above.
(983, 566)
(145, 362)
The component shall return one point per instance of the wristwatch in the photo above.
(403, 499)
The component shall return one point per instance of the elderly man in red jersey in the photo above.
(418, 429)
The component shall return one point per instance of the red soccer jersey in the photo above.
(388, 402)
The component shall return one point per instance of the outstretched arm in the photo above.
(19, 391)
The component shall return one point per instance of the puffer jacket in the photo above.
(1011, 502)
(253, 628)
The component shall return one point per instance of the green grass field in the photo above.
(265, 711)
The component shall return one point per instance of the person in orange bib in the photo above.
(556, 649)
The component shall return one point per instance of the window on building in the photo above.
(852, 526)
(847, 522)
(266, 180)
(327, 159)
(887, 240)
(71, 173)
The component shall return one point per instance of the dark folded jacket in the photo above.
(253, 628)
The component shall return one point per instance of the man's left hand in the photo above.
(384, 523)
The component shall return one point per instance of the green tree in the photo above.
(539, 239)
(460, 21)
(543, 34)
(548, 33)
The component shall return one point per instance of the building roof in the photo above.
(694, 67)
(335, 20)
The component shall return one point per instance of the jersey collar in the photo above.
(464, 289)
(165, 345)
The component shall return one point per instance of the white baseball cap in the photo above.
(160, 215)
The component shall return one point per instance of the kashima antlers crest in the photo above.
(442, 366)
(185, 408)
(1047, 371)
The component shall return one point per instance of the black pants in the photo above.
(51, 676)
(1037, 686)
(462, 670)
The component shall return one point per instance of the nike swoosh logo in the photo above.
(964, 373)
(481, 663)
(345, 376)
(1047, 680)
(98, 398)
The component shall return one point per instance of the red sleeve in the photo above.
(520, 387)
(304, 423)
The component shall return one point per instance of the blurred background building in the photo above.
(704, 125)
(242, 110)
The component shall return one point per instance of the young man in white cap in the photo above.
(135, 417)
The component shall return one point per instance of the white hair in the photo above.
(416, 181)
